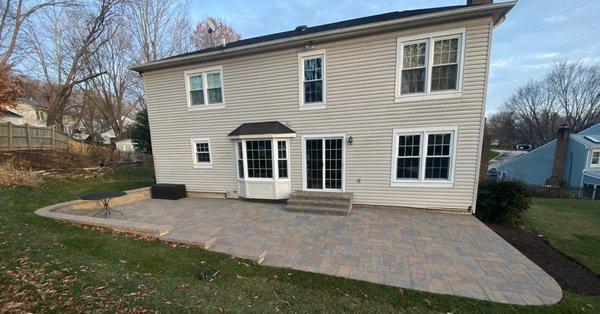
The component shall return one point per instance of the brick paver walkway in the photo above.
(428, 251)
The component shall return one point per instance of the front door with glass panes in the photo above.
(324, 164)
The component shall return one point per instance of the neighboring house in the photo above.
(8, 115)
(33, 113)
(576, 163)
(389, 107)
(107, 137)
(124, 146)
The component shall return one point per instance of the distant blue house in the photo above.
(581, 158)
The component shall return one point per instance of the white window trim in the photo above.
(430, 38)
(206, 105)
(307, 55)
(274, 158)
(591, 158)
(195, 163)
(424, 131)
(324, 136)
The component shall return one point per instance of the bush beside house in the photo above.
(502, 202)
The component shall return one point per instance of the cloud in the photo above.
(555, 19)
(545, 55)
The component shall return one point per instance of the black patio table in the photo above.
(104, 198)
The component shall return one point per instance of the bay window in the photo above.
(430, 65)
(259, 159)
(282, 163)
(262, 159)
(424, 156)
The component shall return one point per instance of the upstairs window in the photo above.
(204, 88)
(201, 153)
(430, 65)
(312, 80)
(595, 162)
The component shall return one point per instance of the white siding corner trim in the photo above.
(430, 38)
(195, 161)
(301, 57)
(422, 181)
(203, 72)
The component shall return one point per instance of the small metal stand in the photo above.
(104, 199)
(106, 209)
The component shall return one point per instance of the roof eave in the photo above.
(497, 10)
(256, 136)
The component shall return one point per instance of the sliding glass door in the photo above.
(324, 163)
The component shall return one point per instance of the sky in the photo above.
(535, 34)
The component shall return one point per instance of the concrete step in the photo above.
(249, 253)
(318, 210)
(201, 241)
(336, 203)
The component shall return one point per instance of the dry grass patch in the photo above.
(11, 173)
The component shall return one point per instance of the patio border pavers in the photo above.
(496, 275)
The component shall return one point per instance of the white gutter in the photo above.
(300, 38)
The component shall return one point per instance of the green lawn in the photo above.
(493, 154)
(571, 226)
(52, 266)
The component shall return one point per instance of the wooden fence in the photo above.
(31, 137)
(564, 192)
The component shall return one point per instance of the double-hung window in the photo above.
(204, 88)
(312, 88)
(282, 159)
(430, 66)
(424, 156)
(240, 160)
(201, 154)
(595, 162)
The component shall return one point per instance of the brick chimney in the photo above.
(478, 2)
(560, 157)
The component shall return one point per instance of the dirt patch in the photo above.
(569, 274)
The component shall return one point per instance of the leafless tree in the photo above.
(115, 88)
(159, 28)
(533, 112)
(13, 15)
(569, 93)
(576, 88)
(501, 127)
(205, 37)
(63, 41)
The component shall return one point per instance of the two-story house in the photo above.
(388, 107)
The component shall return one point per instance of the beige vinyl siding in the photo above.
(361, 78)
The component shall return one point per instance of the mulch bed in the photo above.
(569, 274)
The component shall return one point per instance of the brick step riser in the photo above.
(320, 203)
(318, 210)
(333, 196)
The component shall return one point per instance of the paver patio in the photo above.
(428, 251)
